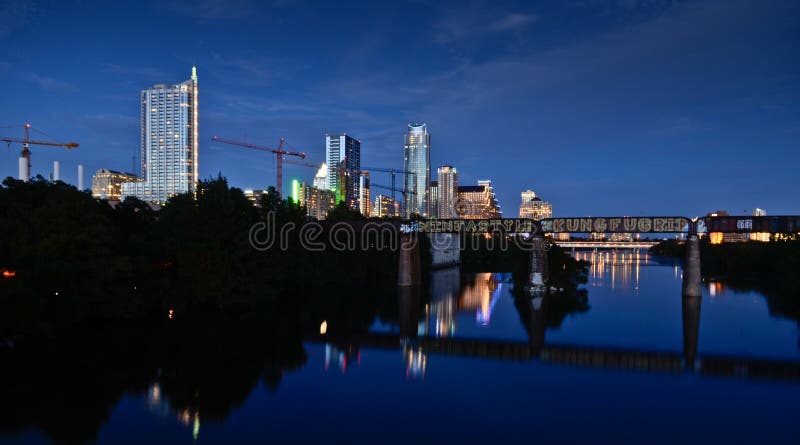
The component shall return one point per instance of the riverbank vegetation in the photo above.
(69, 259)
(768, 267)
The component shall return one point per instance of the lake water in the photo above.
(627, 361)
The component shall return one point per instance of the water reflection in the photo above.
(341, 356)
(619, 269)
(479, 295)
(195, 375)
(453, 300)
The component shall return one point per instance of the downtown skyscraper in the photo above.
(418, 163)
(343, 157)
(169, 142)
(448, 191)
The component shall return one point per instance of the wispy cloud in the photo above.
(134, 72)
(478, 20)
(513, 22)
(204, 10)
(671, 127)
(49, 83)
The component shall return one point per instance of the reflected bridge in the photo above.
(585, 356)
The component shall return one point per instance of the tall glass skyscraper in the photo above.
(418, 164)
(169, 142)
(343, 156)
(448, 191)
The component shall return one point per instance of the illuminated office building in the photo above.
(621, 237)
(417, 161)
(318, 202)
(107, 184)
(434, 198)
(343, 157)
(385, 207)
(533, 207)
(447, 191)
(169, 142)
(759, 236)
(321, 178)
(719, 237)
(254, 196)
(364, 203)
(477, 201)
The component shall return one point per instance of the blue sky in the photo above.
(601, 107)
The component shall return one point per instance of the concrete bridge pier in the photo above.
(408, 271)
(408, 310)
(690, 306)
(538, 324)
(538, 274)
(692, 280)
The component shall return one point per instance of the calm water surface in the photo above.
(628, 361)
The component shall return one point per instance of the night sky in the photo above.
(601, 107)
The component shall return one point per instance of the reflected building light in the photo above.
(196, 426)
(185, 417)
(484, 315)
(624, 268)
(613, 274)
(440, 320)
(715, 288)
(155, 404)
(416, 362)
(342, 357)
(155, 393)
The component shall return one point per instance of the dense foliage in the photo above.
(74, 258)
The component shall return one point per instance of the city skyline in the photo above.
(656, 133)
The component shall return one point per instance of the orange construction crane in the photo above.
(25, 155)
(279, 154)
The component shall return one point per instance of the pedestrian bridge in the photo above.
(633, 245)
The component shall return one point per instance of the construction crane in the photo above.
(279, 154)
(404, 192)
(365, 171)
(302, 163)
(386, 187)
(25, 154)
(392, 171)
